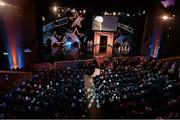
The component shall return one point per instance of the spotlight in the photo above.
(55, 8)
(169, 28)
(68, 9)
(105, 13)
(119, 13)
(165, 17)
(73, 10)
(2, 4)
(84, 11)
(114, 13)
(43, 18)
(128, 14)
(144, 11)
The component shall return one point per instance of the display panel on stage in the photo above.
(105, 23)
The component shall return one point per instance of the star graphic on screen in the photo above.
(77, 20)
(77, 33)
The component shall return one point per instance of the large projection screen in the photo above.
(104, 23)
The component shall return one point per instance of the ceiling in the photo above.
(110, 4)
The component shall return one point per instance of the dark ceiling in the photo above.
(102, 5)
(110, 4)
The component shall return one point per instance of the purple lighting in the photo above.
(168, 3)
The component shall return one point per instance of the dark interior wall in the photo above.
(171, 37)
(24, 18)
(3, 58)
(169, 46)
(138, 34)
(1, 43)
(30, 30)
(147, 33)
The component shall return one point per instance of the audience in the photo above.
(53, 94)
(132, 90)
(124, 89)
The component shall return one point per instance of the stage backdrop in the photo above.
(71, 34)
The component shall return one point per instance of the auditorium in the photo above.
(89, 59)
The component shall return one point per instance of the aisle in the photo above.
(90, 94)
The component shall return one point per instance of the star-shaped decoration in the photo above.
(74, 17)
(77, 20)
(77, 33)
(56, 35)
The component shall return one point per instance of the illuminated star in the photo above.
(77, 33)
(77, 20)
(74, 17)
(56, 35)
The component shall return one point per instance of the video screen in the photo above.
(104, 23)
